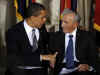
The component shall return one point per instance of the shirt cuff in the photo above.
(91, 68)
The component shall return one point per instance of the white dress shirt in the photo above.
(66, 43)
(28, 30)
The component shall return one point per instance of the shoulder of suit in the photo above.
(54, 34)
(84, 33)
(16, 27)
(15, 30)
(59, 34)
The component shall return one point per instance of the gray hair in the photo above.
(68, 11)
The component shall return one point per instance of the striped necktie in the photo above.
(35, 43)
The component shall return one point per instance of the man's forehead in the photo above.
(69, 16)
(43, 12)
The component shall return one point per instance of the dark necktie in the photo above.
(35, 44)
(69, 53)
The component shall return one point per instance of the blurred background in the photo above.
(12, 12)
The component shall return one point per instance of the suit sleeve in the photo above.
(92, 52)
(11, 48)
(52, 42)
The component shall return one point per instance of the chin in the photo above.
(66, 31)
(39, 27)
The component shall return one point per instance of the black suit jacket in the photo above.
(85, 48)
(19, 50)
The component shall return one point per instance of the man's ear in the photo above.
(76, 24)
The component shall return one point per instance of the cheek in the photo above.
(44, 20)
(74, 26)
(63, 25)
(38, 21)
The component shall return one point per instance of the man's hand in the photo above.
(51, 58)
(83, 67)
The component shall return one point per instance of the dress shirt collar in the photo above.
(73, 33)
(29, 28)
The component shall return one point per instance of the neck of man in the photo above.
(70, 31)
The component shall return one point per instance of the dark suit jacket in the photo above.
(19, 50)
(85, 48)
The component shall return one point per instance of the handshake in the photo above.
(51, 58)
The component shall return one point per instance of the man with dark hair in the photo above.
(76, 48)
(26, 41)
(32, 10)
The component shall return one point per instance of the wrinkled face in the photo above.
(38, 21)
(69, 23)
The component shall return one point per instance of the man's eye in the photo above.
(65, 22)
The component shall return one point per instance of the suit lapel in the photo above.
(25, 37)
(40, 39)
(77, 43)
(61, 43)
(61, 40)
(40, 36)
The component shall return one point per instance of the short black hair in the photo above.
(34, 9)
